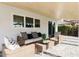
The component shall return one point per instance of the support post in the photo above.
(56, 27)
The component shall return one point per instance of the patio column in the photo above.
(56, 27)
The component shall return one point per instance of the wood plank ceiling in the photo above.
(50, 9)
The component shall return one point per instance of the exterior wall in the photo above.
(6, 21)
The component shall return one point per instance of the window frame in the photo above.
(37, 25)
(29, 20)
(18, 23)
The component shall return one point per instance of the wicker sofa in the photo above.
(28, 38)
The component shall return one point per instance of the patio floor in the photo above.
(68, 48)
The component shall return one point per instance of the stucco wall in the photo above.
(6, 21)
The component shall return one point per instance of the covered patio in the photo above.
(27, 28)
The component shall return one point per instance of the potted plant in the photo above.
(44, 38)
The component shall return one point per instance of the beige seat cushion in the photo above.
(32, 40)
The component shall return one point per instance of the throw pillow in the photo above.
(34, 34)
(29, 36)
(12, 42)
(39, 34)
(24, 35)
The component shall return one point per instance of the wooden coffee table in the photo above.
(40, 46)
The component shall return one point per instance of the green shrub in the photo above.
(68, 30)
(63, 29)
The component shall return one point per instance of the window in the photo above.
(29, 22)
(18, 21)
(37, 23)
